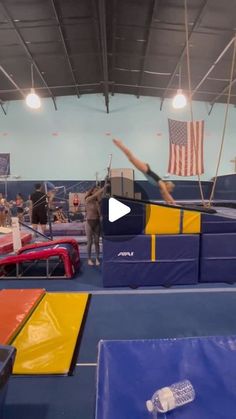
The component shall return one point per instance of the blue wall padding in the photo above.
(129, 261)
(129, 372)
(218, 258)
(132, 223)
(226, 187)
(184, 189)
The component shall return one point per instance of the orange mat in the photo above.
(6, 241)
(15, 308)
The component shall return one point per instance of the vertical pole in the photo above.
(16, 234)
(48, 211)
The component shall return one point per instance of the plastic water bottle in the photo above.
(168, 398)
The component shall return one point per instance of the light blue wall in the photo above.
(73, 142)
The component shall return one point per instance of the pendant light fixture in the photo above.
(179, 100)
(32, 99)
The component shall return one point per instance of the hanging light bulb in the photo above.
(179, 100)
(33, 100)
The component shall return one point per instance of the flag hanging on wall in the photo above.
(186, 148)
(4, 164)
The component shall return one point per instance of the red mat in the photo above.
(15, 307)
(6, 241)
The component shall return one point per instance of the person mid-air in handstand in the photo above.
(165, 187)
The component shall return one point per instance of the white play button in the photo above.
(117, 210)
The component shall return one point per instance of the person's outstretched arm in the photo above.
(165, 193)
(95, 195)
(141, 166)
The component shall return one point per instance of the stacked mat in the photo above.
(152, 245)
(218, 244)
(147, 260)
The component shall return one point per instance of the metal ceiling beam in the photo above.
(54, 7)
(12, 81)
(155, 6)
(221, 94)
(1, 104)
(171, 89)
(97, 33)
(196, 23)
(113, 43)
(27, 51)
(170, 27)
(67, 86)
(103, 38)
(14, 84)
(213, 65)
(3, 109)
(88, 85)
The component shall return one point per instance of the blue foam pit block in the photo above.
(129, 372)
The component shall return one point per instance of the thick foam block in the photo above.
(162, 220)
(171, 220)
(151, 218)
(15, 308)
(218, 258)
(217, 224)
(47, 342)
(150, 260)
(132, 223)
(129, 372)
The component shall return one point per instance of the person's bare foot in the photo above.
(97, 262)
(90, 262)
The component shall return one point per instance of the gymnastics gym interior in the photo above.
(129, 107)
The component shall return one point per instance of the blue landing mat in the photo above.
(129, 372)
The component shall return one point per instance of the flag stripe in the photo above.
(186, 148)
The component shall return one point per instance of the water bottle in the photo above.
(168, 398)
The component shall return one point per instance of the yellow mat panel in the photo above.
(191, 222)
(162, 220)
(46, 343)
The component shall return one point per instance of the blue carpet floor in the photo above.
(127, 316)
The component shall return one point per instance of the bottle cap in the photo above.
(149, 405)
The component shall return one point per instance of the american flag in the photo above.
(186, 159)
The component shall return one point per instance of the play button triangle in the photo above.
(116, 210)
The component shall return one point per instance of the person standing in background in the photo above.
(39, 206)
(20, 207)
(93, 223)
